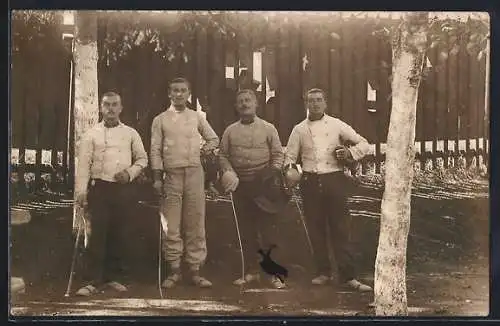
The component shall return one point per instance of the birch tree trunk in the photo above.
(408, 54)
(86, 105)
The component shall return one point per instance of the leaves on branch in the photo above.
(30, 25)
(452, 35)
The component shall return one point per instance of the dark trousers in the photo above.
(110, 205)
(325, 206)
(255, 225)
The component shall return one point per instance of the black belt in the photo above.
(94, 182)
(317, 175)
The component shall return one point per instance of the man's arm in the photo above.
(225, 164)
(292, 147)
(208, 134)
(361, 146)
(85, 153)
(156, 144)
(139, 156)
(277, 153)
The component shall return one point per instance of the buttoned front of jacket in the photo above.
(103, 152)
(315, 142)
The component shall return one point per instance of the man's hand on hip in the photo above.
(122, 177)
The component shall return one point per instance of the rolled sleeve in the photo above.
(139, 156)
(208, 134)
(277, 152)
(84, 163)
(224, 162)
(361, 147)
(156, 144)
(292, 147)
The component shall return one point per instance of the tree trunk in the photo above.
(86, 106)
(408, 53)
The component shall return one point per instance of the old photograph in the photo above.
(249, 163)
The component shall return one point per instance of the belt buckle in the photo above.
(92, 182)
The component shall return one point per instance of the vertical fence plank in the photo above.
(452, 102)
(321, 54)
(463, 64)
(57, 114)
(434, 123)
(347, 68)
(296, 110)
(445, 98)
(217, 84)
(487, 108)
(363, 118)
(441, 111)
(201, 67)
(464, 95)
(270, 74)
(191, 66)
(420, 118)
(472, 107)
(283, 122)
(307, 44)
(366, 126)
(430, 108)
(480, 81)
(476, 82)
(24, 82)
(40, 96)
(265, 107)
(357, 72)
(335, 82)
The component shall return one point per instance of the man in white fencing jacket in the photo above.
(179, 178)
(249, 147)
(110, 156)
(320, 141)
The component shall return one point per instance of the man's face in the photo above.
(246, 104)
(179, 94)
(316, 103)
(111, 107)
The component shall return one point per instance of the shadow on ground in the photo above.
(447, 262)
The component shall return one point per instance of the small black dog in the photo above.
(270, 266)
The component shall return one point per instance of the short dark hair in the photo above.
(179, 80)
(246, 91)
(316, 90)
(111, 94)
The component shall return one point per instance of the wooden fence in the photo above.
(341, 56)
(40, 89)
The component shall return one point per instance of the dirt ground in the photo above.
(448, 264)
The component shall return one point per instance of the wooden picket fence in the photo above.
(340, 55)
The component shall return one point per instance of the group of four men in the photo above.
(112, 154)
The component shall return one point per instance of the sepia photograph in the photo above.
(249, 163)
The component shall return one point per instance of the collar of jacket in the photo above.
(247, 121)
(316, 119)
(173, 109)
